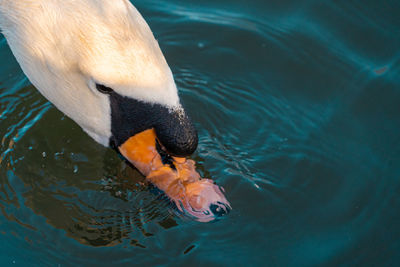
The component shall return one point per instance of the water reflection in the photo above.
(98, 202)
(297, 106)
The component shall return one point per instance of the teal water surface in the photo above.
(297, 104)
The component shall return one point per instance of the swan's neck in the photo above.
(65, 47)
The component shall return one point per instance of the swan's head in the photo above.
(99, 63)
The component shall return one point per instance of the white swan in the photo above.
(66, 47)
(99, 63)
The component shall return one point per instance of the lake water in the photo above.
(297, 104)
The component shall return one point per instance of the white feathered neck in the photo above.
(66, 46)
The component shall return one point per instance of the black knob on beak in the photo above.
(173, 127)
(177, 133)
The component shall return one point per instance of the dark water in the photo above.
(297, 104)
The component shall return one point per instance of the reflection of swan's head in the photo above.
(98, 62)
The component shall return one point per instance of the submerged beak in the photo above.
(176, 176)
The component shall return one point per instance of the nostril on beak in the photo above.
(219, 209)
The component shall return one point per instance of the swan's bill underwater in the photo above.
(98, 62)
(156, 139)
(176, 177)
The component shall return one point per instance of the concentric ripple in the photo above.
(297, 108)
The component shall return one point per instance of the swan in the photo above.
(98, 62)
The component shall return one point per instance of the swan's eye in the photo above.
(104, 89)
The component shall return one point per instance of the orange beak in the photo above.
(177, 177)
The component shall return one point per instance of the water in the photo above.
(297, 106)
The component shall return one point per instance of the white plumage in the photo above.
(66, 46)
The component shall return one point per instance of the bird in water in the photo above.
(98, 62)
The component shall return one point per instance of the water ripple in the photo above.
(296, 105)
